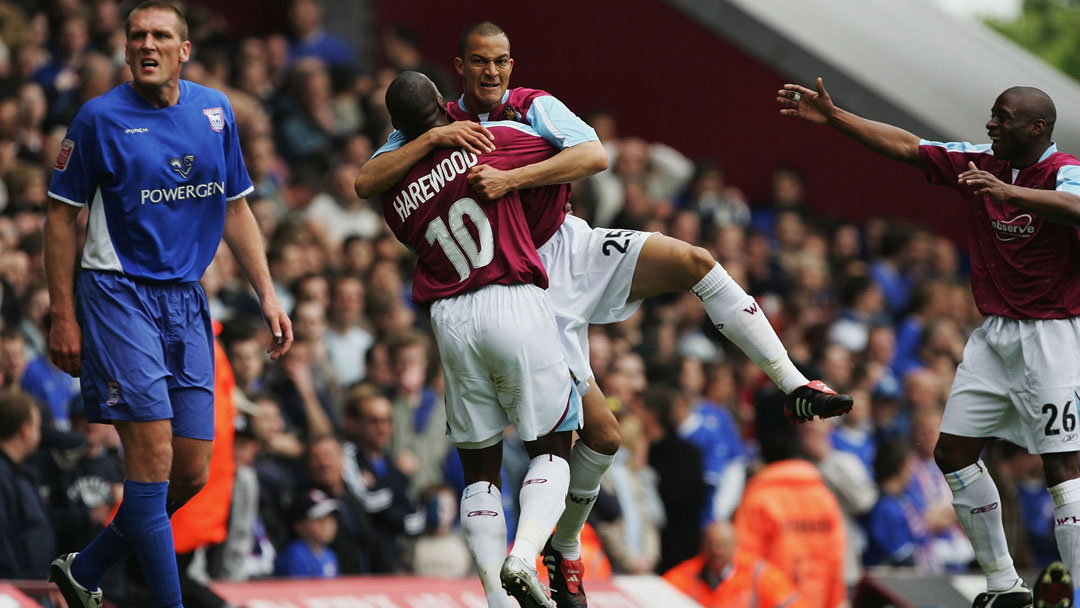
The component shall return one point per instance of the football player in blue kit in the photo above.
(157, 162)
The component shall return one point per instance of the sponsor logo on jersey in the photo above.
(66, 148)
(216, 118)
(181, 192)
(136, 130)
(1018, 227)
(420, 191)
(183, 168)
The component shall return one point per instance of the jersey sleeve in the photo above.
(944, 161)
(237, 181)
(1068, 179)
(77, 169)
(557, 124)
(393, 142)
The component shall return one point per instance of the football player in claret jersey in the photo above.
(157, 163)
(1019, 379)
(597, 275)
(482, 280)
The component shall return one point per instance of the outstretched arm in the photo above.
(817, 107)
(383, 171)
(1056, 206)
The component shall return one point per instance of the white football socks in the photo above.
(542, 500)
(742, 321)
(587, 468)
(1066, 496)
(978, 507)
(484, 526)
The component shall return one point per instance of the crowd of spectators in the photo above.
(342, 461)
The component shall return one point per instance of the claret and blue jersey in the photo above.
(156, 180)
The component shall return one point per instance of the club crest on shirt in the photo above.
(114, 393)
(216, 118)
(511, 114)
(183, 168)
(66, 148)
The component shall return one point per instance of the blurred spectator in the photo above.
(310, 555)
(678, 466)
(725, 575)
(338, 213)
(861, 306)
(894, 527)
(420, 443)
(441, 552)
(790, 517)
(401, 48)
(311, 38)
(632, 539)
(850, 482)
(715, 201)
(325, 471)
(27, 540)
(347, 337)
(247, 551)
(373, 475)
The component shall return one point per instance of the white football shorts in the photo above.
(503, 364)
(1019, 381)
(590, 271)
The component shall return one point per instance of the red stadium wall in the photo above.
(668, 79)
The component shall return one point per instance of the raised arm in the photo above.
(388, 168)
(244, 240)
(817, 107)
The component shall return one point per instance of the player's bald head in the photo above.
(414, 103)
(1032, 104)
(482, 29)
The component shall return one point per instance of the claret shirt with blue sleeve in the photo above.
(156, 180)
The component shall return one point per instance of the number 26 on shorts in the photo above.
(1068, 418)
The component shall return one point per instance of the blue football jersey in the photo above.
(156, 179)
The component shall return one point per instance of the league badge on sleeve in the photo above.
(62, 157)
(216, 118)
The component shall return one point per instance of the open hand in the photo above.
(815, 106)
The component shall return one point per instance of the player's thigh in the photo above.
(525, 355)
(979, 404)
(189, 356)
(667, 265)
(591, 271)
(124, 374)
(474, 415)
(1048, 385)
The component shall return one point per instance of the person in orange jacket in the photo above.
(725, 575)
(790, 518)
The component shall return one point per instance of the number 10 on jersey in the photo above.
(462, 250)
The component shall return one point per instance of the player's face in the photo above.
(486, 71)
(1009, 128)
(154, 50)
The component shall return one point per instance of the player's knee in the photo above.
(602, 436)
(950, 456)
(698, 262)
(185, 483)
(1060, 467)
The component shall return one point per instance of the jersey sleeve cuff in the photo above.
(65, 200)
(249, 190)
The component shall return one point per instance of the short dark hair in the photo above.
(413, 103)
(890, 458)
(16, 409)
(159, 5)
(480, 28)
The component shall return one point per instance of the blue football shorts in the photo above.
(147, 352)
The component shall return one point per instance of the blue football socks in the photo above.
(148, 530)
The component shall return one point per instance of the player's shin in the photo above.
(542, 499)
(1066, 497)
(587, 468)
(739, 317)
(150, 534)
(484, 527)
(978, 508)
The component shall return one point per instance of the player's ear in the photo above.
(459, 66)
(511, 69)
(1038, 127)
(185, 51)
